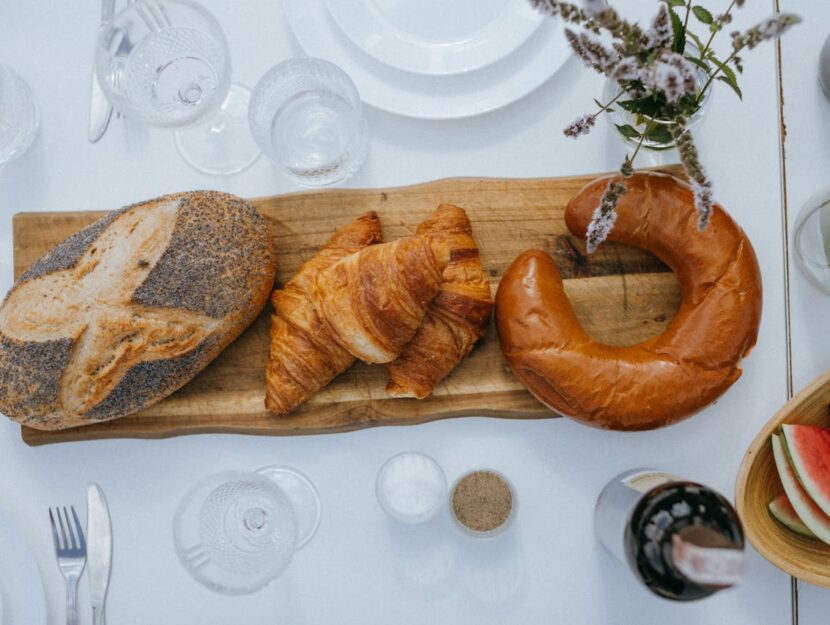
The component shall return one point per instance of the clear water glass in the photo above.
(166, 63)
(307, 116)
(811, 240)
(236, 531)
(411, 487)
(19, 119)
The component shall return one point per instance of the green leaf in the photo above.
(711, 56)
(696, 39)
(732, 84)
(675, 3)
(701, 64)
(728, 71)
(660, 134)
(730, 79)
(679, 32)
(702, 14)
(646, 106)
(627, 131)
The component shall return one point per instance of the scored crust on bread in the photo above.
(375, 300)
(304, 355)
(458, 315)
(129, 309)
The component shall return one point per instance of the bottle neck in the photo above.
(706, 557)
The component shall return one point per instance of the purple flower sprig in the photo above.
(658, 77)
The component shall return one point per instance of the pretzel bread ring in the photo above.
(665, 378)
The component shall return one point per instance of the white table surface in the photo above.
(360, 568)
(807, 148)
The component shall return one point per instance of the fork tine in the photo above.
(141, 9)
(64, 544)
(165, 15)
(152, 9)
(71, 542)
(79, 531)
(55, 538)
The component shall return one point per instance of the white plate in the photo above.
(436, 36)
(430, 97)
(24, 602)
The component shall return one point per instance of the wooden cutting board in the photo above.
(621, 294)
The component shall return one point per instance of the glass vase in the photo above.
(619, 117)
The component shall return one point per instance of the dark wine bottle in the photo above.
(681, 539)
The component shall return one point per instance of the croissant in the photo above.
(458, 315)
(375, 300)
(304, 355)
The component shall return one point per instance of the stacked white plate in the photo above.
(433, 59)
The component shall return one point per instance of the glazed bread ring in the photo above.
(661, 380)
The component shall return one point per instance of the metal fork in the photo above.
(154, 14)
(119, 114)
(70, 550)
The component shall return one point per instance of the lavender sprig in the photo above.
(771, 28)
(605, 216)
(660, 35)
(581, 126)
(658, 81)
(701, 186)
(592, 52)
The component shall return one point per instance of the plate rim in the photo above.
(363, 34)
(304, 16)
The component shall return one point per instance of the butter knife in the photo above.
(99, 550)
(100, 110)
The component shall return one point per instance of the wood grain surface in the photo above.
(758, 483)
(622, 295)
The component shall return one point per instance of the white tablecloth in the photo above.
(360, 568)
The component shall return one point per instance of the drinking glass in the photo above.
(811, 239)
(236, 531)
(410, 487)
(307, 116)
(18, 116)
(166, 63)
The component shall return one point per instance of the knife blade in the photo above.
(99, 550)
(100, 110)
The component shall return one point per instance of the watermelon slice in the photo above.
(784, 513)
(808, 450)
(808, 511)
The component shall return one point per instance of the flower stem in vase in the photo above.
(658, 82)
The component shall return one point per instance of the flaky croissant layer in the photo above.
(304, 355)
(375, 300)
(457, 317)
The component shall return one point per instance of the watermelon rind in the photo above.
(806, 508)
(783, 512)
(814, 478)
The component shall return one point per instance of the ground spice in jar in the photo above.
(482, 501)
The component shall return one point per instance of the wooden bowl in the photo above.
(758, 483)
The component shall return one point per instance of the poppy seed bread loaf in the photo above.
(129, 309)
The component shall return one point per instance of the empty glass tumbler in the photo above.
(307, 116)
(236, 531)
(18, 116)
